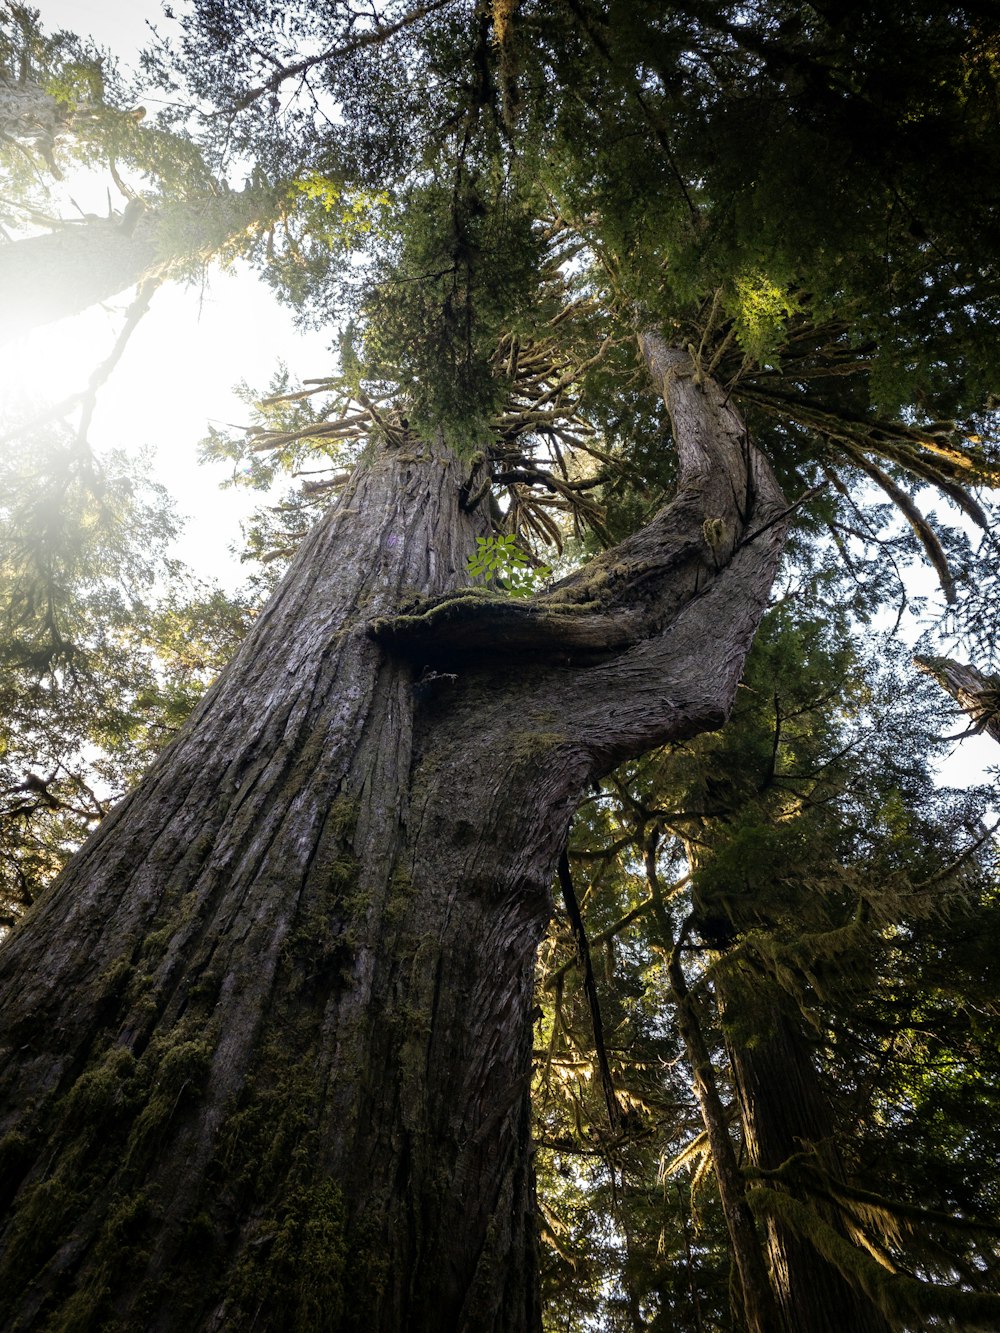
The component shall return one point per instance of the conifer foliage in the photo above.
(657, 332)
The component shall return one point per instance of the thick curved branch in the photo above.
(971, 688)
(726, 498)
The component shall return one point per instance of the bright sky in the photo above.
(191, 348)
(193, 345)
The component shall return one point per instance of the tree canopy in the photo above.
(764, 1072)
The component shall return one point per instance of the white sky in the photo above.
(181, 362)
(192, 346)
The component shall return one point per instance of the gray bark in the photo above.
(972, 689)
(265, 1046)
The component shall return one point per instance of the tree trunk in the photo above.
(63, 272)
(265, 1046)
(758, 1310)
(785, 1112)
(30, 116)
(977, 693)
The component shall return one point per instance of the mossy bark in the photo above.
(265, 1046)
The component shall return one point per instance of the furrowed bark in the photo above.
(265, 1047)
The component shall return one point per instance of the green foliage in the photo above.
(105, 642)
(465, 271)
(501, 558)
(760, 309)
(784, 189)
(832, 884)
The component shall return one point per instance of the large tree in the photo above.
(266, 1042)
(310, 1026)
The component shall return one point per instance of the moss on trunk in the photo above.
(265, 1047)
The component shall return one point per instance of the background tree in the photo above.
(801, 918)
(106, 645)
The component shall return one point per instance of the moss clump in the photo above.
(292, 1272)
(115, 980)
(43, 1216)
(121, 1245)
(399, 897)
(104, 1093)
(104, 1132)
(336, 867)
(175, 1071)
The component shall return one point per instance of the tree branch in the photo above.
(373, 38)
(976, 692)
(633, 591)
(590, 988)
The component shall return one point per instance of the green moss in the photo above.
(103, 1133)
(105, 1091)
(274, 1118)
(292, 1274)
(120, 1246)
(175, 1071)
(335, 867)
(399, 896)
(115, 980)
(205, 990)
(154, 946)
(42, 1217)
(533, 744)
(292, 1263)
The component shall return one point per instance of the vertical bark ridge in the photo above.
(262, 799)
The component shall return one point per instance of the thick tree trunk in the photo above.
(63, 272)
(264, 1048)
(785, 1112)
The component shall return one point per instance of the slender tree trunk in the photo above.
(785, 1111)
(265, 1046)
(759, 1311)
(63, 272)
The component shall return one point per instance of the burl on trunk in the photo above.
(266, 1043)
